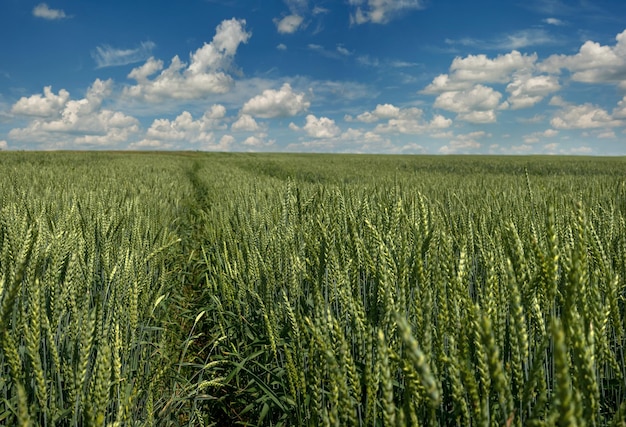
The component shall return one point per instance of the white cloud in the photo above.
(526, 90)
(479, 68)
(141, 74)
(401, 120)
(47, 105)
(464, 143)
(43, 11)
(245, 123)
(609, 134)
(536, 137)
(475, 105)
(594, 63)
(226, 141)
(65, 123)
(558, 101)
(585, 116)
(342, 50)
(289, 24)
(382, 111)
(410, 121)
(107, 56)
(352, 140)
(208, 144)
(322, 127)
(185, 129)
(478, 116)
(258, 141)
(150, 144)
(281, 46)
(443, 83)
(554, 21)
(620, 111)
(205, 74)
(4, 145)
(381, 11)
(460, 92)
(216, 112)
(276, 103)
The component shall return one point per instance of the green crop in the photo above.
(266, 289)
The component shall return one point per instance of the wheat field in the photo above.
(337, 290)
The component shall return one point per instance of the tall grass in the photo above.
(437, 292)
(191, 289)
(83, 277)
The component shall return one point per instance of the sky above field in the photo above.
(376, 76)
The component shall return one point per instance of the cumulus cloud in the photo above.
(258, 141)
(536, 137)
(558, 101)
(410, 121)
(289, 24)
(205, 74)
(185, 129)
(107, 56)
(527, 90)
(465, 72)
(620, 111)
(226, 141)
(382, 111)
(276, 103)
(215, 113)
(594, 63)
(585, 116)
(43, 11)
(479, 68)
(461, 90)
(150, 144)
(3, 145)
(464, 143)
(352, 140)
(381, 11)
(47, 105)
(322, 127)
(65, 122)
(245, 123)
(474, 105)
(401, 120)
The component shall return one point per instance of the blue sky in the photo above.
(373, 76)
